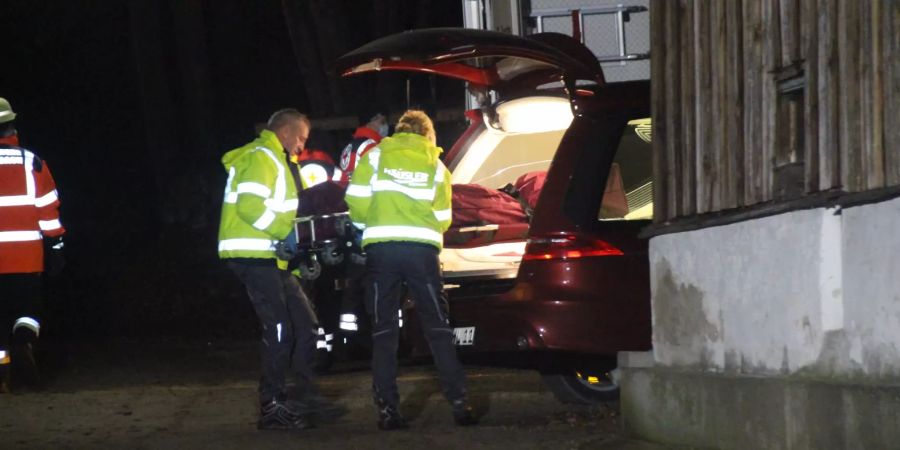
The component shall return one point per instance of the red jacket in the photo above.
(29, 209)
(364, 139)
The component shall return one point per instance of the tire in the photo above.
(583, 388)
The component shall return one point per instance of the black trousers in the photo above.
(327, 300)
(20, 301)
(354, 292)
(417, 264)
(289, 327)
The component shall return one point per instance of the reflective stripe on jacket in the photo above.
(400, 191)
(260, 199)
(29, 210)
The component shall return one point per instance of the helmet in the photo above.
(6, 112)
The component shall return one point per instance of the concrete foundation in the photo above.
(741, 412)
(779, 332)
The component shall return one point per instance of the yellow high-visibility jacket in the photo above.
(400, 191)
(260, 199)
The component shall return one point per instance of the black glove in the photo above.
(54, 261)
(286, 249)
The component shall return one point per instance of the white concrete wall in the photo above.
(872, 288)
(813, 291)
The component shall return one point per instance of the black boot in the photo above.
(323, 362)
(389, 417)
(23, 368)
(4, 376)
(277, 414)
(463, 414)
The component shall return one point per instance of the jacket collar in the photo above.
(270, 141)
(12, 141)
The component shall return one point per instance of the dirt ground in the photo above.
(202, 395)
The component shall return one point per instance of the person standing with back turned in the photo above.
(30, 241)
(400, 196)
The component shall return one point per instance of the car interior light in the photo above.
(534, 114)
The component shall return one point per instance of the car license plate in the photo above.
(464, 336)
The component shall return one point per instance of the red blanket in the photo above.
(474, 204)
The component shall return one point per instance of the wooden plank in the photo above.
(672, 104)
(871, 96)
(890, 15)
(718, 176)
(848, 54)
(829, 106)
(661, 213)
(752, 104)
(789, 20)
(702, 79)
(809, 53)
(735, 93)
(771, 62)
(808, 25)
(688, 111)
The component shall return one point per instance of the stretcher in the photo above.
(324, 239)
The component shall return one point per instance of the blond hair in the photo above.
(417, 122)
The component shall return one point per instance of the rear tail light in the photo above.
(567, 247)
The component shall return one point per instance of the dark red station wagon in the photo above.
(568, 287)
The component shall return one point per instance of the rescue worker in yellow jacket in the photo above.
(261, 198)
(400, 196)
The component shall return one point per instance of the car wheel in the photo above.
(584, 387)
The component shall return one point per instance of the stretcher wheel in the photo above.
(312, 268)
(332, 255)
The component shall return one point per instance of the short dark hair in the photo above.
(7, 129)
(284, 117)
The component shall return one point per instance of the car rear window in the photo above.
(629, 187)
(516, 155)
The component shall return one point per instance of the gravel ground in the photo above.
(184, 396)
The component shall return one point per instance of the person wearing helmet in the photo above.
(322, 195)
(373, 127)
(30, 243)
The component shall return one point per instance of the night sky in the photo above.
(132, 103)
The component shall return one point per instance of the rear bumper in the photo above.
(503, 324)
(596, 324)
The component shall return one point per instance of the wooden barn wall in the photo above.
(716, 68)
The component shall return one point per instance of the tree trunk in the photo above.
(306, 51)
(156, 102)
